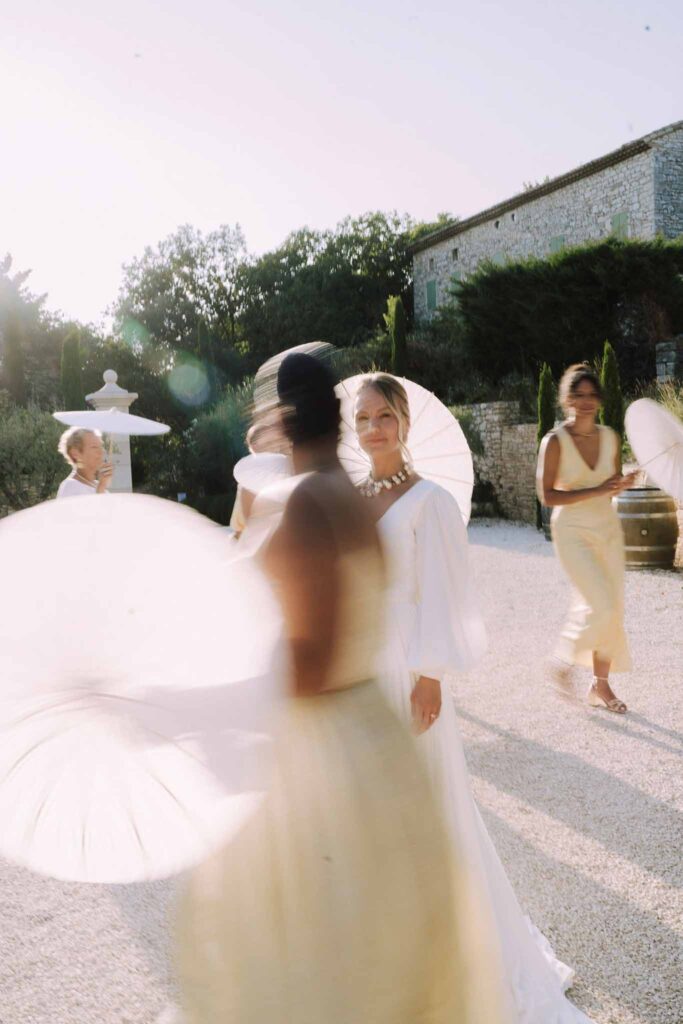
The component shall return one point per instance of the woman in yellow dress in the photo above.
(579, 472)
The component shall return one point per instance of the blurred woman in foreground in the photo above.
(334, 905)
(84, 451)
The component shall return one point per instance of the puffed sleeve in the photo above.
(449, 633)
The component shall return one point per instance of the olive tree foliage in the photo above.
(187, 280)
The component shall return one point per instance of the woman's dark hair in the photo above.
(570, 380)
(305, 388)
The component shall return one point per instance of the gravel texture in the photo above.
(585, 808)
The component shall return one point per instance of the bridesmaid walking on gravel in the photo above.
(579, 472)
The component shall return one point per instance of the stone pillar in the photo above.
(111, 396)
(669, 356)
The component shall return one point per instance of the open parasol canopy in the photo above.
(259, 470)
(138, 682)
(656, 437)
(112, 421)
(438, 447)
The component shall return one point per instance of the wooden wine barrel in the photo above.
(648, 518)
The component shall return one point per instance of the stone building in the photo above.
(634, 192)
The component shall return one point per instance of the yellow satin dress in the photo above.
(589, 543)
(336, 904)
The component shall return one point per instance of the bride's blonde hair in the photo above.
(396, 397)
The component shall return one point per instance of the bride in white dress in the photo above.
(434, 630)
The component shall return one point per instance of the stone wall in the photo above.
(668, 181)
(509, 459)
(636, 197)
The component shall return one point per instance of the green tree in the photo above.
(188, 278)
(546, 406)
(395, 320)
(30, 341)
(331, 285)
(72, 371)
(13, 361)
(612, 411)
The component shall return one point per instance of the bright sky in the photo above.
(122, 121)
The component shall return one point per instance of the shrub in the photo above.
(560, 310)
(214, 443)
(373, 355)
(30, 466)
(465, 418)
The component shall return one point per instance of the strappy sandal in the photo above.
(614, 705)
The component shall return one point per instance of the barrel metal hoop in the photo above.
(650, 547)
(646, 515)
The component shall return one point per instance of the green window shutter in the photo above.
(431, 296)
(557, 243)
(620, 225)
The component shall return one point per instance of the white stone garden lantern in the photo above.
(111, 396)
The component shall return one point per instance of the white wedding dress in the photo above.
(435, 630)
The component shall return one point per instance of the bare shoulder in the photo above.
(550, 444)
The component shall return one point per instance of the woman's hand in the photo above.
(425, 703)
(104, 477)
(616, 484)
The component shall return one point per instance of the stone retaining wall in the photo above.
(509, 458)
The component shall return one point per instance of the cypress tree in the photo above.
(395, 319)
(72, 375)
(546, 405)
(612, 412)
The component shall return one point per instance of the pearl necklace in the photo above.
(370, 487)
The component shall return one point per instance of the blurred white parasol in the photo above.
(656, 437)
(438, 447)
(259, 470)
(112, 421)
(138, 683)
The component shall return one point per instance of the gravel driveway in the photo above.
(586, 810)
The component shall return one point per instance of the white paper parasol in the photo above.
(438, 448)
(656, 437)
(259, 470)
(137, 684)
(112, 421)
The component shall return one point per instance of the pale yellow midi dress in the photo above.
(590, 546)
(337, 902)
